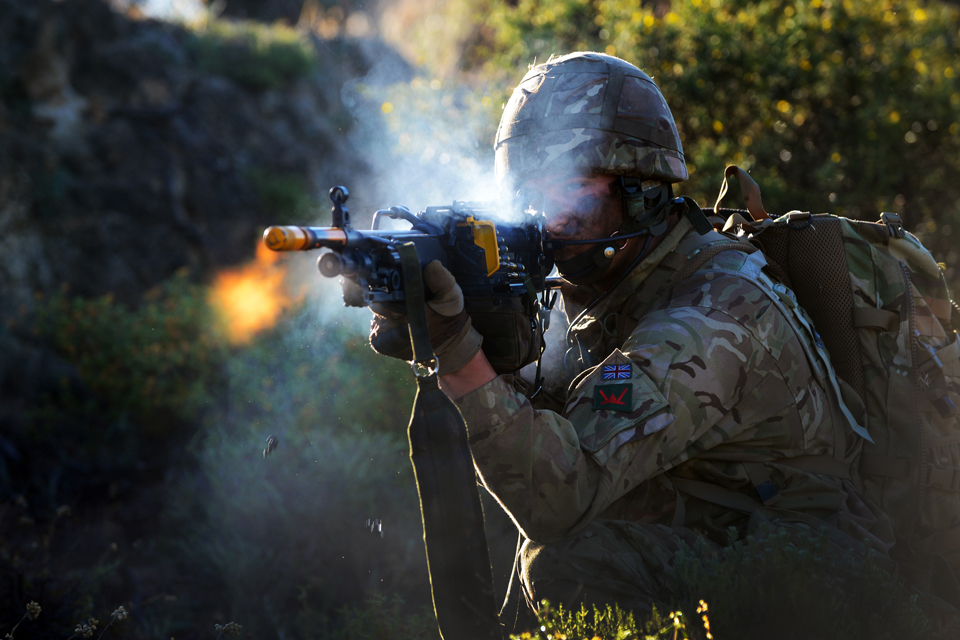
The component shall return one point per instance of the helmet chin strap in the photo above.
(644, 214)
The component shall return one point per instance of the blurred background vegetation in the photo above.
(149, 350)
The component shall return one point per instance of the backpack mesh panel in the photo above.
(817, 266)
(774, 244)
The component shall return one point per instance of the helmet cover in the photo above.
(588, 113)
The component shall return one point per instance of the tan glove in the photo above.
(452, 336)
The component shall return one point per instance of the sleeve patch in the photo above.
(608, 414)
(613, 397)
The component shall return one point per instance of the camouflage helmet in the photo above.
(588, 113)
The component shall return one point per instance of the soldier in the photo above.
(704, 399)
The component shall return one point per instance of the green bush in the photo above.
(376, 620)
(839, 106)
(255, 55)
(256, 534)
(146, 364)
(303, 375)
(282, 196)
(286, 532)
(609, 623)
(777, 584)
(280, 544)
(790, 585)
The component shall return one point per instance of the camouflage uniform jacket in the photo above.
(719, 384)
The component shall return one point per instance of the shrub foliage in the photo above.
(159, 357)
(788, 584)
(257, 56)
(847, 107)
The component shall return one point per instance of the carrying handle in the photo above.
(750, 189)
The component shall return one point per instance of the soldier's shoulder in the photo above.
(718, 299)
(724, 283)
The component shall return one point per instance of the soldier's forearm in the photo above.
(476, 373)
(531, 461)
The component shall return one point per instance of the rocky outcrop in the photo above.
(132, 149)
(123, 157)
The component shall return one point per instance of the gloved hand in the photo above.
(452, 336)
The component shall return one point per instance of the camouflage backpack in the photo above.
(881, 305)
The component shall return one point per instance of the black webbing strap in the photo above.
(416, 305)
(458, 560)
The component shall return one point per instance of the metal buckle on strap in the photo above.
(425, 369)
(894, 224)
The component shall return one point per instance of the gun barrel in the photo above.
(291, 238)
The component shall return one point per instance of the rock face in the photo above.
(124, 157)
(131, 149)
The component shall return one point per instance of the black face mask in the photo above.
(590, 266)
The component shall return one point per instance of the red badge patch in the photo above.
(613, 397)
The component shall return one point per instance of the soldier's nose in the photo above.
(561, 224)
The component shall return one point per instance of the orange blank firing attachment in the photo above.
(290, 238)
(285, 238)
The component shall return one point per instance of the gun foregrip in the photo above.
(291, 238)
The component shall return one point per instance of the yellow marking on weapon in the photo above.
(485, 237)
(285, 238)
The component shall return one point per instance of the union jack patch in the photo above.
(616, 371)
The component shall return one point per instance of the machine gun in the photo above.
(501, 265)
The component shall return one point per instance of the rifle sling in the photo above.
(458, 559)
(416, 304)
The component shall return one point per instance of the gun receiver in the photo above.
(489, 256)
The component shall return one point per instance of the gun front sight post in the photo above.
(341, 215)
